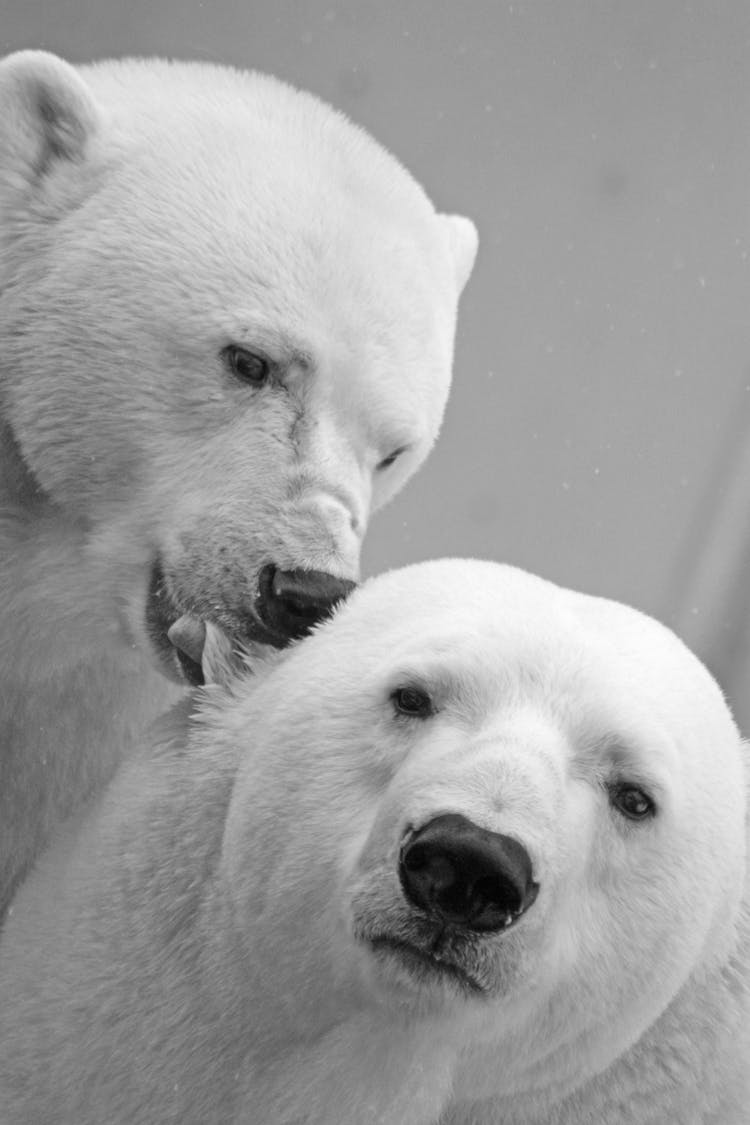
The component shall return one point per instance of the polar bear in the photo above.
(226, 331)
(473, 853)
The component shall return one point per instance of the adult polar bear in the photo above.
(473, 853)
(226, 330)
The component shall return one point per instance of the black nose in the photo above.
(464, 875)
(290, 602)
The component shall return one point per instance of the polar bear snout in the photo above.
(290, 602)
(286, 604)
(467, 876)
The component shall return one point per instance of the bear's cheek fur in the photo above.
(105, 403)
(629, 915)
(289, 910)
(306, 771)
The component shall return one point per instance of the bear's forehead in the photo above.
(252, 130)
(497, 669)
(348, 258)
(495, 632)
(471, 606)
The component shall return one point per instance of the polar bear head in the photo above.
(226, 327)
(482, 803)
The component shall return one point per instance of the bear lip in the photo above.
(413, 956)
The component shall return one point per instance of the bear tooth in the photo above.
(188, 634)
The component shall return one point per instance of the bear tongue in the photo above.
(188, 636)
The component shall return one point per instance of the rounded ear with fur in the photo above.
(47, 119)
(463, 241)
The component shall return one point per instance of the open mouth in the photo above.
(178, 632)
(426, 964)
(284, 606)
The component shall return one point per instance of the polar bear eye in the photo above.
(247, 366)
(632, 802)
(389, 460)
(412, 701)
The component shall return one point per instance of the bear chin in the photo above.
(425, 968)
(414, 961)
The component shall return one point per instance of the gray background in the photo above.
(597, 428)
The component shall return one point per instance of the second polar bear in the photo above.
(472, 854)
(226, 333)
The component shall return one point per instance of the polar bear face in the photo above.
(228, 321)
(486, 802)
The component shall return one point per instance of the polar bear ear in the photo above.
(463, 241)
(47, 118)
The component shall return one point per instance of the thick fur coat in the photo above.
(226, 332)
(232, 935)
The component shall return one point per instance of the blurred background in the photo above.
(599, 427)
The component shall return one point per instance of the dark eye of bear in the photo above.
(247, 366)
(412, 701)
(388, 461)
(632, 802)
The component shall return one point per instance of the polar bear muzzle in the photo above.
(287, 605)
(465, 876)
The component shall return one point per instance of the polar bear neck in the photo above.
(358, 1072)
(93, 693)
(365, 1070)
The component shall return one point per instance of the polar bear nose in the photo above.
(462, 874)
(290, 602)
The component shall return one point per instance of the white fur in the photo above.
(192, 950)
(152, 213)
